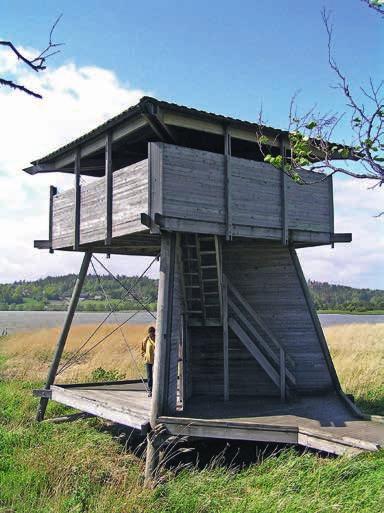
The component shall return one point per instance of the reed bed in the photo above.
(28, 355)
(357, 351)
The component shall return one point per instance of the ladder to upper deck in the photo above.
(201, 270)
(210, 299)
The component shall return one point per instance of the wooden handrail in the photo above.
(233, 290)
(276, 358)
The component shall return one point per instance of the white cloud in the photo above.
(76, 99)
(359, 263)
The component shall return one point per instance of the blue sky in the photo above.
(222, 56)
(219, 56)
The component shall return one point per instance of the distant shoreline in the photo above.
(330, 312)
(351, 312)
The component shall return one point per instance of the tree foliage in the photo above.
(339, 297)
(311, 133)
(53, 293)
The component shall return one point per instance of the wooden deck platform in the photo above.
(124, 403)
(324, 423)
(320, 422)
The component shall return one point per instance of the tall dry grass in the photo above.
(358, 354)
(357, 351)
(28, 355)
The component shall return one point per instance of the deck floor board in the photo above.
(322, 422)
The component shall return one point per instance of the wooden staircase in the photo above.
(201, 274)
(259, 341)
(210, 299)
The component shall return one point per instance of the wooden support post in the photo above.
(76, 225)
(283, 196)
(225, 338)
(282, 375)
(52, 193)
(151, 461)
(108, 189)
(228, 183)
(64, 333)
(219, 264)
(163, 326)
(331, 208)
(156, 450)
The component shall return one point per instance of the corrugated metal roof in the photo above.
(137, 109)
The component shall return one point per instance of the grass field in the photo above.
(80, 468)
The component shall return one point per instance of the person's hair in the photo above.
(151, 329)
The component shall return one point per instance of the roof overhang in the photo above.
(150, 119)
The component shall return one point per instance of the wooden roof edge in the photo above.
(64, 155)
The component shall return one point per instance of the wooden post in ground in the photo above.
(163, 326)
(151, 460)
(162, 353)
(64, 333)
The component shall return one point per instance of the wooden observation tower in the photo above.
(240, 353)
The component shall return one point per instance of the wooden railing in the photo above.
(258, 339)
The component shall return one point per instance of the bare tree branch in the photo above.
(37, 63)
(12, 85)
(310, 133)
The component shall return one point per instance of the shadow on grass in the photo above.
(371, 405)
(182, 452)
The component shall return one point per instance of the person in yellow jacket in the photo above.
(148, 353)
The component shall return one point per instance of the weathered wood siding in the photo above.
(130, 199)
(176, 334)
(246, 377)
(264, 274)
(189, 190)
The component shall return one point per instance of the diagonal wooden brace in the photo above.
(64, 333)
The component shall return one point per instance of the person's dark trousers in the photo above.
(149, 367)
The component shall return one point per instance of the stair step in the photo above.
(205, 280)
(192, 286)
(213, 293)
(190, 260)
(194, 311)
(191, 274)
(207, 252)
(208, 266)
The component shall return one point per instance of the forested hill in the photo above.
(53, 293)
(339, 297)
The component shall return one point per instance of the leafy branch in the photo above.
(310, 134)
(377, 5)
(38, 63)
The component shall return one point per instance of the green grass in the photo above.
(78, 468)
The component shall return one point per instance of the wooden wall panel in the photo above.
(63, 219)
(206, 361)
(264, 274)
(130, 199)
(193, 184)
(193, 193)
(255, 195)
(308, 206)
